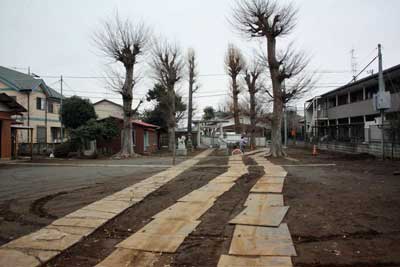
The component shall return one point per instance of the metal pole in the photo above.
(61, 106)
(381, 90)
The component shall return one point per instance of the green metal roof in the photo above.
(24, 82)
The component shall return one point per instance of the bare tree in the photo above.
(234, 64)
(267, 19)
(123, 42)
(252, 78)
(168, 66)
(193, 87)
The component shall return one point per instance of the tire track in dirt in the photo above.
(38, 206)
(101, 243)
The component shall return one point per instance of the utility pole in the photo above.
(381, 91)
(61, 108)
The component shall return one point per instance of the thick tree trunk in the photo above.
(252, 119)
(235, 93)
(276, 125)
(172, 124)
(126, 133)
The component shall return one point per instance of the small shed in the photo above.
(145, 138)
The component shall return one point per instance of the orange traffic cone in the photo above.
(314, 151)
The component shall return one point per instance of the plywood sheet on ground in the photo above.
(200, 196)
(260, 261)
(45, 239)
(185, 210)
(79, 222)
(108, 206)
(153, 243)
(261, 216)
(266, 188)
(15, 258)
(225, 179)
(163, 226)
(217, 187)
(83, 213)
(271, 180)
(129, 258)
(262, 241)
(255, 199)
(275, 173)
(271, 233)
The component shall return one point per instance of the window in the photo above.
(40, 103)
(342, 99)
(370, 91)
(50, 107)
(332, 102)
(41, 134)
(356, 96)
(55, 134)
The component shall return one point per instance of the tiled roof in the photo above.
(22, 82)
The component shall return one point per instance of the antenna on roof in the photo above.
(353, 62)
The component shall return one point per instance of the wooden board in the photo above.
(45, 239)
(185, 210)
(163, 226)
(266, 188)
(153, 243)
(200, 196)
(271, 180)
(122, 257)
(271, 233)
(260, 261)
(262, 241)
(262, 216)
(255, 199)
(224, 179)
(275, 173)
(217, 187)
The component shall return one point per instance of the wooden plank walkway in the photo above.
(161, 235)
(37, 248)
(260, 238)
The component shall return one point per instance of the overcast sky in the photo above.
(53, 37)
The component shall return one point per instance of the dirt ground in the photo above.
(32, 196)
(100, 244)
(344, 211)
(343, 215)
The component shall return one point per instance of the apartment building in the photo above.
(41, 102)
(347, 113)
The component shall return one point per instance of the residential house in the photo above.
(41, 102)
(145, 138)
(8, 108)
(106, 108)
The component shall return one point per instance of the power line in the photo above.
(200, 75)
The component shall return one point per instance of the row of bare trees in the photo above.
(270, 21)
(126, 43)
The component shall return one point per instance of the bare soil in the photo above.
(343, 215)
(212, 237)
(100, 244)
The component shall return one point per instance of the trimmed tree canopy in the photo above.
(76, 112)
